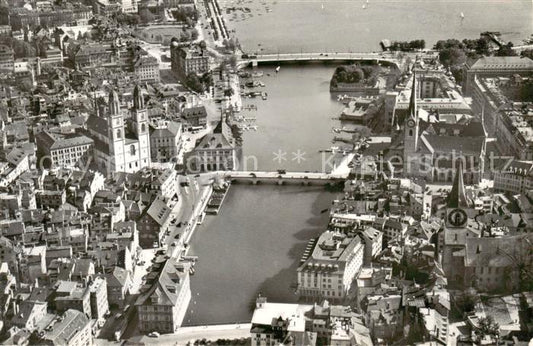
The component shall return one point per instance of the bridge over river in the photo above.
(340, 172)
(280, 58)
(282, 177)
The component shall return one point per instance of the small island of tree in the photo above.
(354, 74)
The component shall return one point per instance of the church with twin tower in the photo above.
(121, 144)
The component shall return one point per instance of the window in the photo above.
(119, 134)
(132, 149)
(143, 128)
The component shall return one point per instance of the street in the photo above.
(190, 334)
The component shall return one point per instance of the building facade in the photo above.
(328, 271)
(165, 141)
(186, 60)
(516, 178)
(7, 59)
(163, 305)
(63, 151)
(493, 66)
(214, 152)
(99, 302)
(121, 146)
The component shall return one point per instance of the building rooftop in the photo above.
(55, 141)
(330, 252)
(269, 313)
(70, 323)
(165, 284)
(502, 62)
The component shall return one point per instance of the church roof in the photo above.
(472, 129)
(97, 124)
(496, 252)
(449, 144)
(412, 101)
(457, 196)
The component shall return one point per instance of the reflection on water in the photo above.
(253, 245)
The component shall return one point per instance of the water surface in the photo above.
(295, 122)
(253, 245)
(343, 25)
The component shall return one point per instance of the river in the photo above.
(294, 123)
(343, 25)
(253, 246)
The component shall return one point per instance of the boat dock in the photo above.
(216, 200)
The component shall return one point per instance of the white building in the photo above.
(129, 6)
(121, 146)
(516, 178)
(163, 304)
(328, 271)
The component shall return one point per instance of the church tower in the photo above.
(116, 133)
(457, 203)
(411, 124)
(140, 126)
(453, 237)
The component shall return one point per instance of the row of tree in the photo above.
(197, 83)
(187, 15)
(408, 46)
(127, 19)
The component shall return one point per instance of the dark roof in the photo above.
(98, 124)
(457, 196)
(197, 111)
(118, 277)
(411, 111)
(449, 144)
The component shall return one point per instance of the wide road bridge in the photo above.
(391, 58)
(282, 177)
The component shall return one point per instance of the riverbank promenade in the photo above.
(191, 334)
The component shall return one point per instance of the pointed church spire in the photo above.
(138, 98)
(412, 102)
(114, 103)
(457, 196)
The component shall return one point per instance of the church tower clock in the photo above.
(457, 204)
(453, 237)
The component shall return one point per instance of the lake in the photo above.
(340, 25)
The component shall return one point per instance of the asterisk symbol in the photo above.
(280, 156)
(298, 156)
